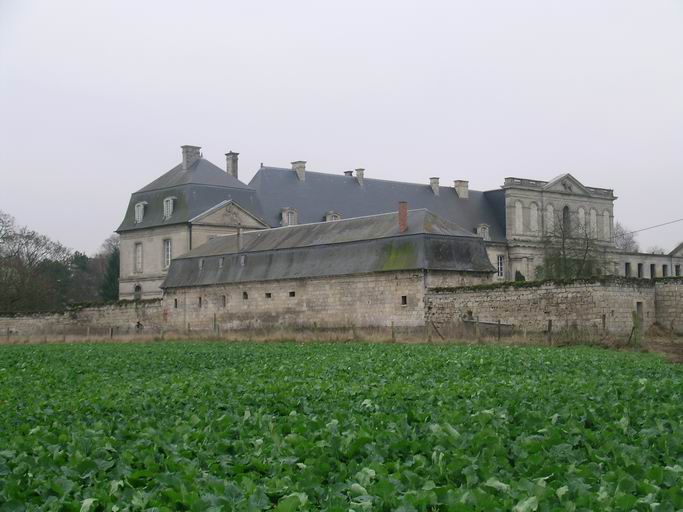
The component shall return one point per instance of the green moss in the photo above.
(398, 256)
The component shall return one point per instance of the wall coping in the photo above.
(74, 308)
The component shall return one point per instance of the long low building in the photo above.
(362, 272)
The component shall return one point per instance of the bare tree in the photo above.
(655, 249)
(571, 250)
(625, 239)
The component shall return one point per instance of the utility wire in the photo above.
(652, 227)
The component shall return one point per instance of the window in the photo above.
(640, 270)
(168, 207)
(332, 216)
(292, 294)
(404, 300)
(665, 270)
(224, 300)
(221, 261)
(566, 222)
(137, 292)
(582, 218)
(167, 253)
(549, 219)
(593, 227)
(175, 303)
(289, 217)
(140, 211)
(138, 257)
(533, 218)
(243, 260)
(501, 266)
(483, 231)
(653, 271)
(245, 295)
(199, 303)
(627, 269)
(269, 295)
(678, 270)
(201, 263)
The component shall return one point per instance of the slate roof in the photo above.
(352, 246)
(278, 188)
(196, 189)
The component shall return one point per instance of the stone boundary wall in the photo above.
(96, 322)
(669, 304)
(586, 306)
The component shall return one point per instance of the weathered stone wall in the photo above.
(120, 319)
(359, 301)
(602, 306)
(669, 304)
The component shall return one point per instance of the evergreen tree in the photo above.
(109, 289)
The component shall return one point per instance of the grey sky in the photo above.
(97, 97)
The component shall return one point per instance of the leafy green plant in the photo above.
(215, 426)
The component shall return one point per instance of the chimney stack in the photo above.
(231, 163)
(190, 155)
(402, 216)
(348, 173)
(360, 176)
(434, 183)
(300, 168)
(462, 188)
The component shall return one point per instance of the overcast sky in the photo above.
(96, 98)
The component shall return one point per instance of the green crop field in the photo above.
(209, 426)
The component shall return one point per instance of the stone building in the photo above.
(362, 272)
(196, 201)
(183, 209)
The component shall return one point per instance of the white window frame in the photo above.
(168, 252)
(140, 211)
(138, 257)
(483, 231)
(501, 266)
(169, 205)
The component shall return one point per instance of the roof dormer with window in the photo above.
(169, 204)
(140, 211)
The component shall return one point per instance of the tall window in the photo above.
(138, 257)
(168, 253)
(139, 212)
(533, 218)
(501, 266)
(606, 225)
(582, 218)
(291, 218)
(168, 207)
(566, 222)
(549, 219)
(593, 228)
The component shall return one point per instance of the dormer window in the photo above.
(290, 217)
(483, 231)
(331, 216)
(140, 211)
(169, 203)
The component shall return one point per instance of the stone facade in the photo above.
(669, 304)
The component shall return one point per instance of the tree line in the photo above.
(40, 274)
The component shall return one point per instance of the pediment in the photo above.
(229, 214)
(678, 251)
(566, 184)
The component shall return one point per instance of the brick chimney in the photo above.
(231, 163)
(402, 216)
(434, 183)
(360, 176)
(190, 155)
(300, 168)
(462, 188)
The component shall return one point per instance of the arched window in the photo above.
(606, 225)
(582, 218)
(140, 211)
(549, 219)
(168, 207)
(483, 231)
(533, 218)
(519, 217)
(137, 292)
(566, 222)
(593, 223)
